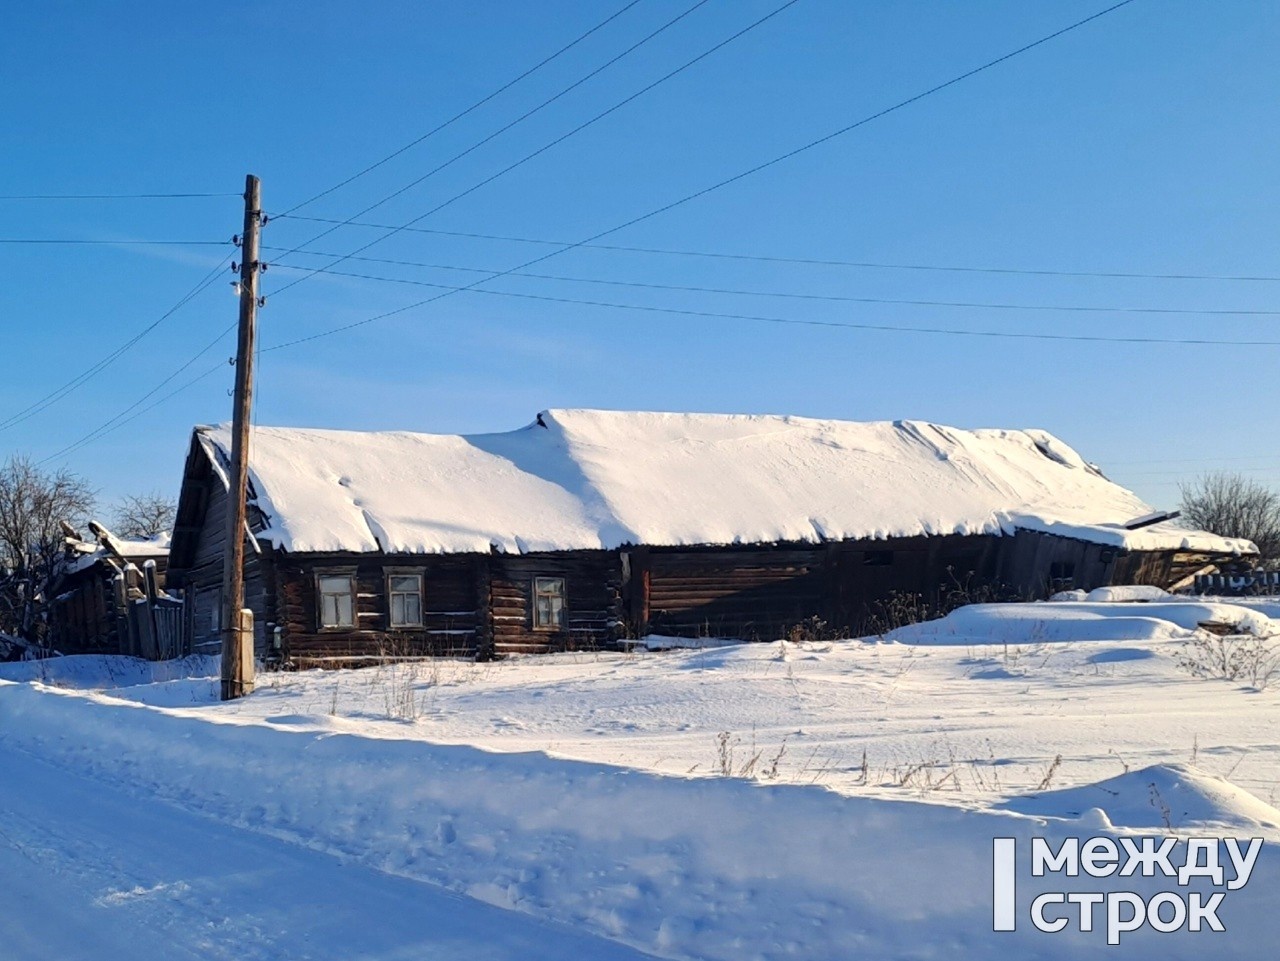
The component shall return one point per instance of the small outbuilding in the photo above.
(587, 527)
(94, 587)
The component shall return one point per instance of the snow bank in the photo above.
(1082, 621)
(1265, 605)
(1162, 797)
(585, 479)
(99, 672)
(1126, 593)
(717, 868)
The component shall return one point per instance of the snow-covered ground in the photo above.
(827, 799)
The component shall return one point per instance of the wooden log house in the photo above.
(589, 527)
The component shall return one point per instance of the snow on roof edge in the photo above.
(587, 479)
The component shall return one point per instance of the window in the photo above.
(1062, 575)
(548, 603)
(337, 600)
(878, 558)
(404, 599)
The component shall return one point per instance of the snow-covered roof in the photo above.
(601, 479)
(89, 553)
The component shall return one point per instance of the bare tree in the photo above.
(34, 504)
(144, 515)
(1235, 506)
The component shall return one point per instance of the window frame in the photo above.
(1062, 575)
(536, 591)
(215, 612)
(391, 573)
(350, 574)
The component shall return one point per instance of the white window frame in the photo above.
(392, 574)
(540, 591)
(350, 575)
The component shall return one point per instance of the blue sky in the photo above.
(1143, 142)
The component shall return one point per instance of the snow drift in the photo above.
(713, 868)
(1066, 620)
(1162, 797)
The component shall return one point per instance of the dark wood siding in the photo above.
(82, 618)
(201, 577)
(451, 608)
(593, 617)
(752, 594)
(1035, 564)
(760, 592)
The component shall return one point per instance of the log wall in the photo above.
(451, 607)
(593, 615)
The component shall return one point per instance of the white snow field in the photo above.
(832, 799)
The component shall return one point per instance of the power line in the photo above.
(1175, 473)
(836, 298)
(150, 407)
(887, 328)
(740, 176)
(563, 137)
(475, 146)
(458, 116)
(122, 418)
(1188, 460)
(723, 183)
(48, 400)
(99, 432)
(113, 243)
(870, 264)
(112, 196)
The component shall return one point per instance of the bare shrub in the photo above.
(1232, 657)
(405, 679)
(725, 743)
(141, 516)
(1158, 802)
(770, 773)
(811, 629)
(1049, 773)
(37, 509)
(1234, 506)
(903, 608)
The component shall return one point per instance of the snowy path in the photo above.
(93, 873)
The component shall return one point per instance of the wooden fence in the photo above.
(157, 625)
(1243, 583)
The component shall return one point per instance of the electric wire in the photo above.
(937, 88)
(120, 419)
(113, 243)
(791, 295)
(689, 197)
(150, 407)
(114, 196)
(462, 113)
(808, 261)
(545, 147)
(718, 315)
(48, 400)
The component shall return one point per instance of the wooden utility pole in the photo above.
(237, 623)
